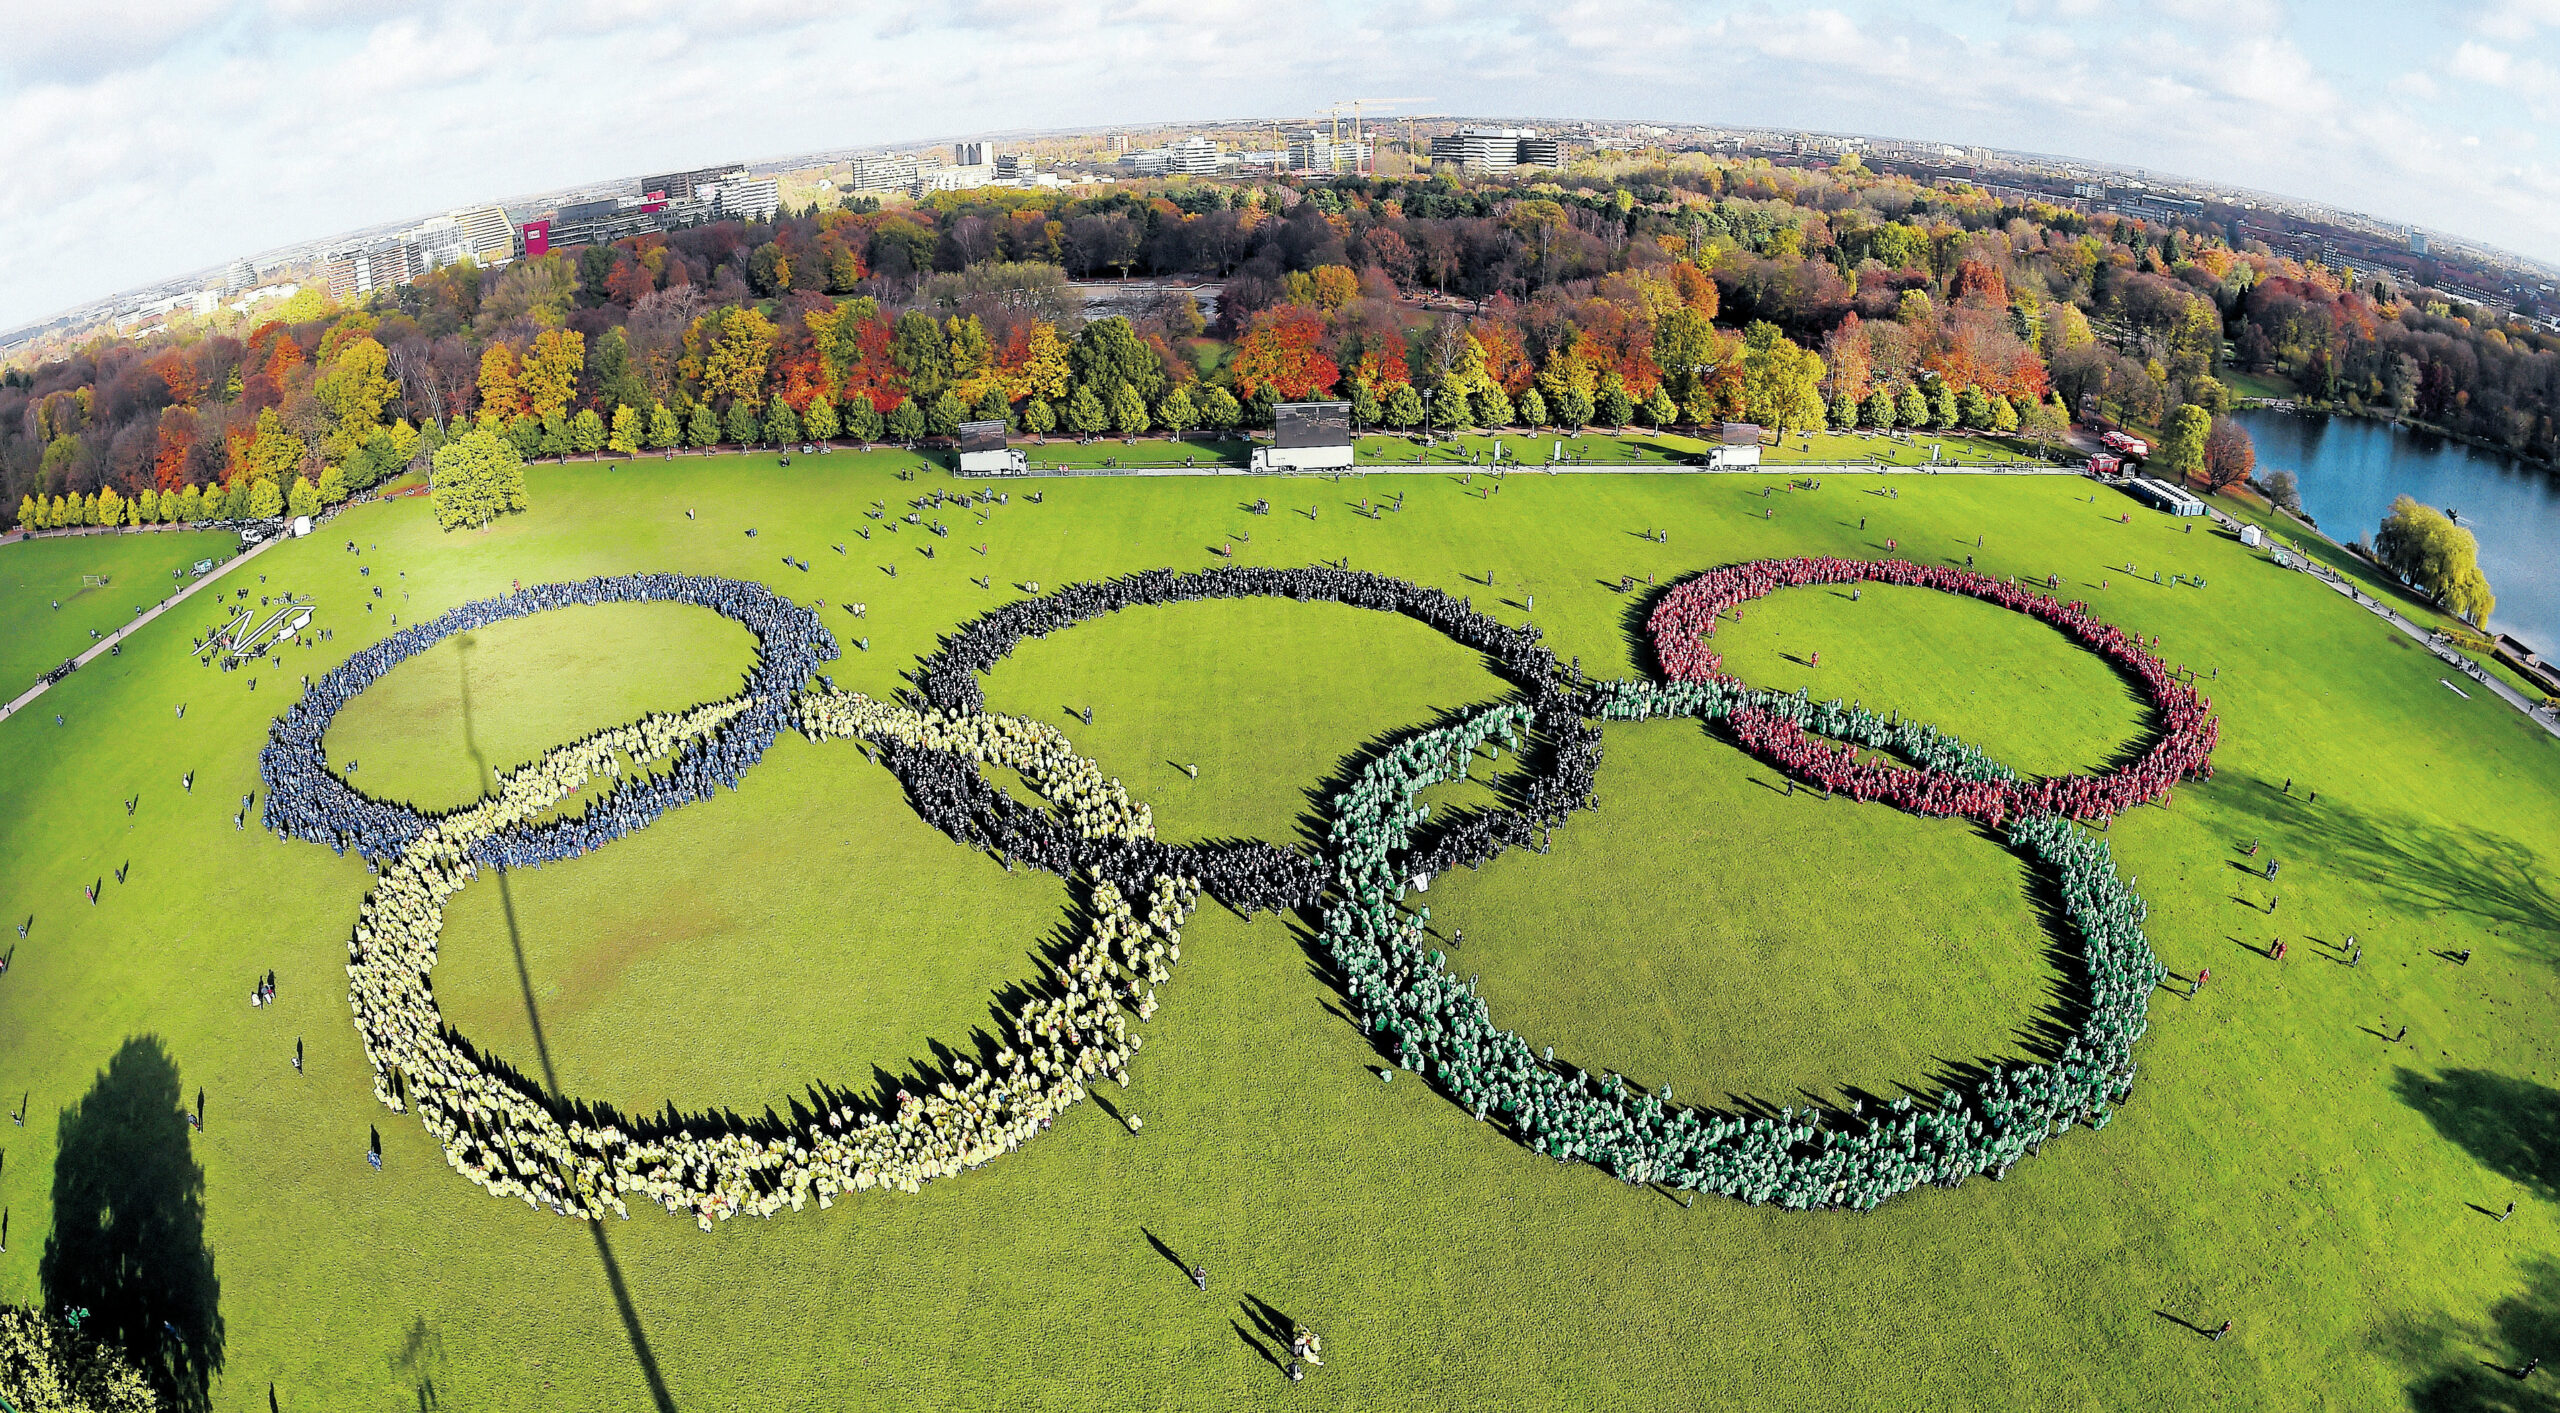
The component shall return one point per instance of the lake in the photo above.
(2350, 469)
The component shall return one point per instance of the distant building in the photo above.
(2417, 241)
(1013, 167)
(1496, 149)
(743, 199)
(954, 179)
(881, 172)
(359, 270)
(242, 275)
(670, 185)
(1315, 150)
(1193, 156)
(973, 154)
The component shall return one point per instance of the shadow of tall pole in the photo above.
(631, 1326)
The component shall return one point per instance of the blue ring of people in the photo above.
(1133, 892)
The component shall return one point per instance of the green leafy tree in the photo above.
(1403, 407)
(476, 478)
(555, 436)
(1219, 410)
(624, 440)
(743, 423)
(702, 429)
(1177, 412)
(906, 420)
(303, 498)
(862, 421)
(2181, 449)
(992, 405)
(1878, 411)
(49, 1366)
(1973, 410)
(1108, 352)
(526, 433)
(265, 501)
(1573, 409)
(1037, 418)
(663, 431)
(1492, 406)
(333, 486)
(781, 424)
(1613, 406)
(1086, 416)
(1532, 408)
(1365, 410)
(1942, 408)
(586, 432)
(2423, 545)
(921, 354)
(1128, 411)
(1844, 412)
(820, 423)
(1913, 408)
(190, 505)
(2004, 416)
(943, 416)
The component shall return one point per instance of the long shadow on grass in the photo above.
(2511, 1126)
(2416, 862)
(128, 1225)
(631, 1326)
(2468, 1366)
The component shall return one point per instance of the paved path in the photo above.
(2548, 721)
(108, 643)
(1513, 468)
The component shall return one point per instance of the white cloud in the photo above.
(230, 126)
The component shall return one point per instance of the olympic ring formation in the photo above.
(503, 1132)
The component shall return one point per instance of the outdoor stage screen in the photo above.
(1312, 424)
(982, 436)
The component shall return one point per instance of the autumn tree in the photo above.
(549, 376)
(2229, 455)
(1280, 353)
(500, 401)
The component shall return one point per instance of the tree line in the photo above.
(1650, 290)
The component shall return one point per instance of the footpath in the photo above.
(1514, 468)
(2534, 712)
(108, 643)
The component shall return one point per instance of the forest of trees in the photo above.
(1656, 292)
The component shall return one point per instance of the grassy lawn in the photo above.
(2246, 384)
(38, 574)
(2280, 1165)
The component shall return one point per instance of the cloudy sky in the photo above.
(146, 137)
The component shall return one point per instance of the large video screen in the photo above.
(1312, 424)
(982, 436)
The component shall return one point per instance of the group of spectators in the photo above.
(1689, 613)
(306, 800)
(507, 1135)
(1435, 1024)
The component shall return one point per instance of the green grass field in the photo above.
(2280, 1164)
(35, 575)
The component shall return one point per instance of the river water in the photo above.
(2350, 469)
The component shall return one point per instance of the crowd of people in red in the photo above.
(1688, 615)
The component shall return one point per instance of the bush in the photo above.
(46, 1367)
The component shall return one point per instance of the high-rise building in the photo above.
(1013, 167)
(973, 154)
(359, 270)
(1315, 150)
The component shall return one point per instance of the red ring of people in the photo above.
(1688, 615)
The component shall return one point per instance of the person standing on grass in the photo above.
(1200, 1275)
(2217, 1335)
(2511, 1211)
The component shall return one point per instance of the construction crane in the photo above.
(1356, 104)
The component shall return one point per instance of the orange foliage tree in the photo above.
(1279, 353)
